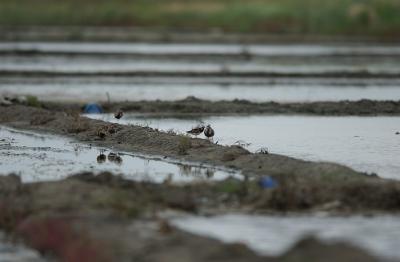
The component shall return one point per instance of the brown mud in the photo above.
(159, 35)
(195, 106)
(356, 74)
(303, 185)
(106, 218)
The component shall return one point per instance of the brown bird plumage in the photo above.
(196, 130)
(209, 132)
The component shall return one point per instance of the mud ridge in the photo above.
(195, 106)
(106, 218)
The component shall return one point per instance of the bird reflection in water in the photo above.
(187, 170)
(210, 172)
(101, 158)
(112, 157)
(115, 158)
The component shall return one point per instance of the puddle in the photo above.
(367, 144)
(273, 235)
(88, 91)
(37, 157)
(10, 252)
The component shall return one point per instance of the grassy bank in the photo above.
(318, 17)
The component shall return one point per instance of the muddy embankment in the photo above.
(107, 218)
(194, 106)
(129, 34)
(302, 185)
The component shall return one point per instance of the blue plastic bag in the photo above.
(93, 109)
(267, 182)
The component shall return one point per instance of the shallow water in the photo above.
(38, 157)
(100, 65)
(11, 252)
(273, 235)
(204, 58)
(179, 61)
(89, 91)
(367, 144)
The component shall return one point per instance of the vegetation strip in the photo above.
(374, 18)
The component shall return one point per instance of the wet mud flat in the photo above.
(42, 157)
(107, 218)
(194, 106)
(364, 143)
(167, 71)
(304, 185)
(119, 219)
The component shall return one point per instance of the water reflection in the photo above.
(115, 158)
(188, 170)
(101, 158)
(37, 157)
(273, 235)
(367, 144)
(14, 252)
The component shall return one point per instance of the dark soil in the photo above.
(302, 185)
(106, 218)
(194, 106)
(221, 73)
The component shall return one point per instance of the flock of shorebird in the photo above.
(208, 131)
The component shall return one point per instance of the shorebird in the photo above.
(196, 130)
(119, 114)
(209, 132)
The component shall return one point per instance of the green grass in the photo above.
(346, 17)
(33, 101)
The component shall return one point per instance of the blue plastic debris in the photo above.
(93, 109)
(267, 182)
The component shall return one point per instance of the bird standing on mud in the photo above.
(119, 114)
(196, 130)
(209, 132)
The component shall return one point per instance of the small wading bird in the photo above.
(209, 132)
(196, 130)
(119, 114)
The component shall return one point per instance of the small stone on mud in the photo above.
(101, 133)
(164, 227)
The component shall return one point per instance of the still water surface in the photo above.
(367, 144)
(39, 157)
(273, 235)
